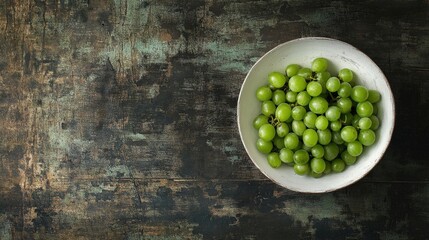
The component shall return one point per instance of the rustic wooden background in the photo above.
(118, 120)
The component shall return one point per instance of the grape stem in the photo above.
(286, 88)
(332, 96)
(274, 121)
(345, 119)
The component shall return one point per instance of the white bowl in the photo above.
(340, 55)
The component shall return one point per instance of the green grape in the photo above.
(291, 141)
(321, 123)
(345, 74)
(364, 109)
(303, 98)
(366, 137)
(259, 121)
(342, 147)
(282, 129)
(375, 109)
(272, 87)
(268, 108)
(310, 138)
(365, 123)
(373, 96)
(336, 138)
(291, 96)
(306, 148)
(345, 90)
(314, 89)
(319, 65)
(318, 105)
(264, 146)
(347, 158)
(297, 83)
(355, 122)
(355, 148)
(375, 122)
(310, 120)
(263, 93)
(333, 84)
(274, 160)
(345, 104)
(331, 151)
(298, 127)
(322, 78)
(335, 125)
(349, 134)
(283, 112)
(278, 142)
(338, 165)
(333, 113)
(359, 93)
(303, 169)
(326, 96)
(317, 151)
(277, 79)
(328, 167)
(267, 132)
(286, 155)
(292, 70)
(301, 157)
(300, 144)
(278, 97)
(298, 112)
(316, 175)
(324, 136)
(317, 165)
(305, 73)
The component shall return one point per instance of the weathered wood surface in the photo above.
(118, 121)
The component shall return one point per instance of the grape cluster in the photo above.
(313, 121)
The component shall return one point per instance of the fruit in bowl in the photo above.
(309, 114)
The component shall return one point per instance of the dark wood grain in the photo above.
(119, 121)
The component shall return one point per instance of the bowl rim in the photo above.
(390, 132)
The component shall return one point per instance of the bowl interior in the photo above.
(303, 51)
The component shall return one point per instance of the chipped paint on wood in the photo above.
(118, 121)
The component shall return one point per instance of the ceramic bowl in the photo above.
(340, 55)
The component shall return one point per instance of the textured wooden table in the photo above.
(118, 121)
